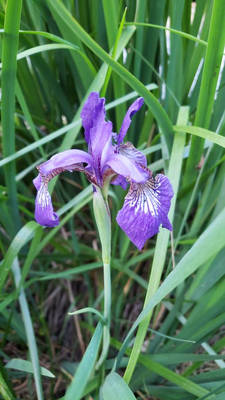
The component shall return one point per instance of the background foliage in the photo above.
(172, 53)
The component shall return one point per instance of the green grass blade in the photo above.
(84, 70)
(85, 368)
(139, 42)
(110, 8)
(96, 85)
(166, 373)
(156, 108)
(202, 133)
(161, 243)
(209, 80)
(9, 52)
(165, 28)
(29, 331)
(26, 366)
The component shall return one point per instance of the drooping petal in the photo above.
(129, 169)
(145, 208)
(127, 119)
(44, 213)
(68, 160)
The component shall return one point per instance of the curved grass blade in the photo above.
(41, 48)
(26, 366)
(202, 133)
(165, 28)
(88, 310)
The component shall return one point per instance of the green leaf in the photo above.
(26, 366)
(85, 368)
(8, 80)
(203, 133)
(166, 28)
(115, 388)
(210, 75)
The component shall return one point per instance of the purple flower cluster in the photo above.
(108, 158)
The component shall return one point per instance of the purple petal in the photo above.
(90, 109)
(98, 132)
(145, 208)
(44, 213)
(68, 160)
(128, 150)
(127, 119)
(129, 169)
(121, 181)
(64, 161)
(37, 181)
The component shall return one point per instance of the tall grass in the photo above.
(167, 316)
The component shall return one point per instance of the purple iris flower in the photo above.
(109, 159)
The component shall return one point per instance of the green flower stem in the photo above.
(103, 221)
(161, 244)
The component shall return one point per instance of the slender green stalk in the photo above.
(114, 52)
(211, 69)
(107, 311)
(29, 330)
(103, 221)
(161, 244)
(9, 53)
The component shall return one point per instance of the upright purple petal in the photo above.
(98, 132)
(88, 113)
(127, 119)
(68, 160)
(145, 208)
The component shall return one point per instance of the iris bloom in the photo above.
(109, 159)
